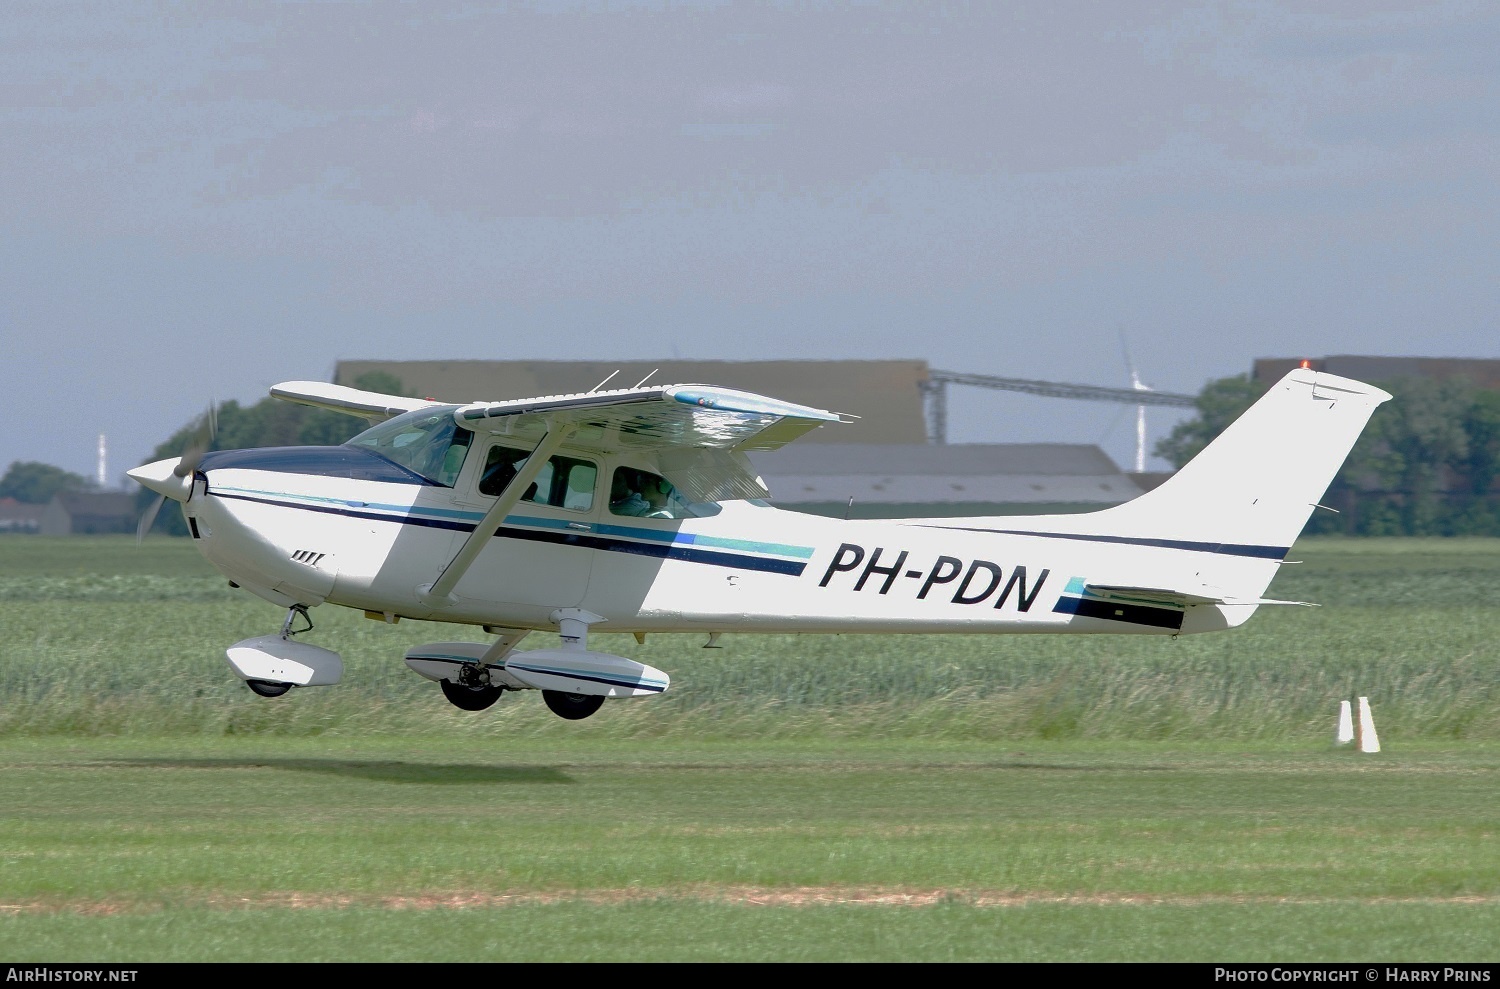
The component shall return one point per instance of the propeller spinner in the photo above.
(172, 478)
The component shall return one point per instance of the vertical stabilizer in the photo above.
(1219, 528)
(1258, 482)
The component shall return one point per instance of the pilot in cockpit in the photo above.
(640, 493)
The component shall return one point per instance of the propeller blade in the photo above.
(201, 443)
(148, 519)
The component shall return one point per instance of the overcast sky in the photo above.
(200, 200)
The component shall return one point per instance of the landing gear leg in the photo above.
(573, 626)
(292, 614)
(475, 689)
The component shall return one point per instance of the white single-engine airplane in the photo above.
(637, 510)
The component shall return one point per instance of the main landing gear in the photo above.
(472, 691)
(574, 681)
(574, 707)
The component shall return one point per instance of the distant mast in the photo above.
(103, 478)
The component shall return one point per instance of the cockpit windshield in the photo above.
(425, 441)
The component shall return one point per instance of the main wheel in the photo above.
(469, 698)
(574, 707)
(267, 688)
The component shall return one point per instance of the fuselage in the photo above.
(338, 528)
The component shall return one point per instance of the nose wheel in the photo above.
(266, 688)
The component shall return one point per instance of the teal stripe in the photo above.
(652, 535)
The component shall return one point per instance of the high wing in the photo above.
(351, 401)
(698, 434)
(669, 417)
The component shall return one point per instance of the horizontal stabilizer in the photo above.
(1175, 598)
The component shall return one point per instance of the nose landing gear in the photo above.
(271, 665)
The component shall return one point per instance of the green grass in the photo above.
(151, 850)
(817, 798)
(105, 637)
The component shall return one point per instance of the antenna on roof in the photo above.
(103, 474)
(604, 382)
(646, 378)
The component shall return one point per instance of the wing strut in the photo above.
(440, 592)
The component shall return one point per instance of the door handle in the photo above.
(581, 525)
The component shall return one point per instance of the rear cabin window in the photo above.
(563, 482)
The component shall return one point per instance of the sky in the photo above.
(200, 200)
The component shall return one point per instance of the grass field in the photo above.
(840, 798)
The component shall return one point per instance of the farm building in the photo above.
(78, 512)
(18, 516)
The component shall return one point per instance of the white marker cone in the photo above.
(1345, 733)
(1368, 740)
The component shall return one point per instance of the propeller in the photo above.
(198, 444)
(203, 438)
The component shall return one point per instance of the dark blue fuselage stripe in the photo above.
(352, 513)
(793, 568)
(1135, 614)
(1227, 549)
(687, 554)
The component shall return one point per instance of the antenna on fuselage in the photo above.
(604, 382)
(646, 378)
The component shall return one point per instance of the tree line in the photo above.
(1426, 465)
(268, 422)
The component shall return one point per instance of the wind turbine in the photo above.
(1140, 410)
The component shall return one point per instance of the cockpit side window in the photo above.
(563, 482)
(645, 494)
(427, 442)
